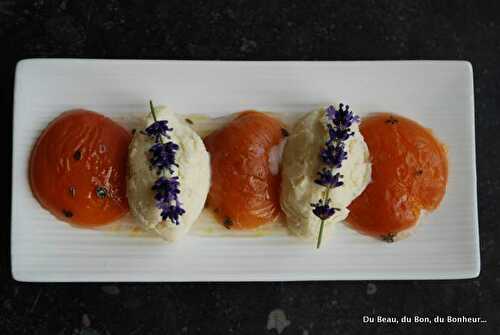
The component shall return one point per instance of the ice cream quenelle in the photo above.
(325, 166)
(169, 175)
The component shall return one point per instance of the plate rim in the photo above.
(473, 272)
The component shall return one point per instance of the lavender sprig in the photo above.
(328, 179)
(323, 209)
(167, 190)
(332, 155)
(162, 158)
(158, 129)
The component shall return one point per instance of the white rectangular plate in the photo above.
(437, 94)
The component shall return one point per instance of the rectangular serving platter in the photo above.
(438, 94)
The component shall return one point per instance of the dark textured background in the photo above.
(259, 30)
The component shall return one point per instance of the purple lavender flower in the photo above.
(338, 133)
(158, 129)
(333, 154)
(328, 179)
(342, 117)
(171, 212)
(163, 156)
(166, 189)
(330, 112)
(323, 210)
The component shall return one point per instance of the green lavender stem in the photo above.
(326, 196)
(156, 120)
(152, 110)
(320, 237)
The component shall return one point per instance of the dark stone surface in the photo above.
(260, 30)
